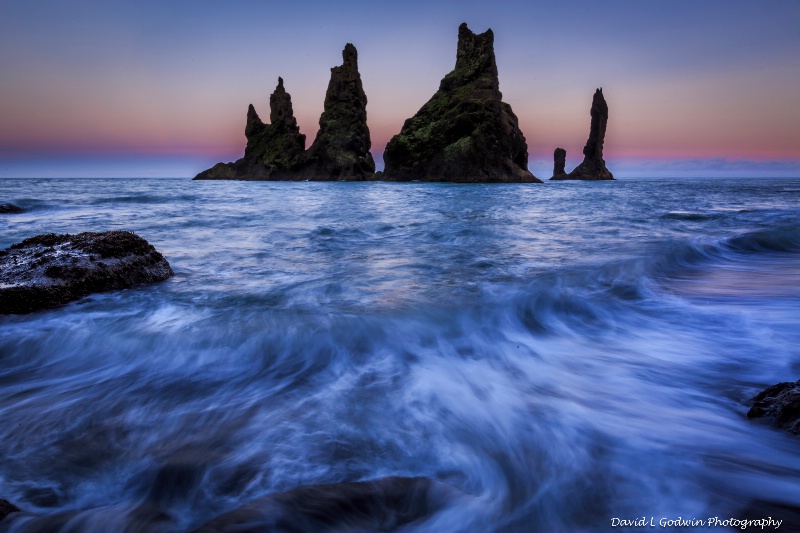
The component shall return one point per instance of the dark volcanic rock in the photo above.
(50, 270)
(10, 209)
(272, 149)
(593, 166)
(6, 508)
(341, 148)
(559, 162)
(379, 505)
(465, 132)
(781, 404)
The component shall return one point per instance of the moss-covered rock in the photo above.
(341, 149)
(272, 149)
(465, 132)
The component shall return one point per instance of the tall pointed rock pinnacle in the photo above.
(593, 166)
(341, 149)
(465, 132)
(272, 150)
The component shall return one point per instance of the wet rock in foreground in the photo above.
(6, 508)
(779, 403)
(379, 505)
(10, 209)
(50, 270)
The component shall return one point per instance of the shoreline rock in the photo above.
(779, 404)
(465, 132)
(50, 270)
(10, 209)
(6, 508)
(593, 166)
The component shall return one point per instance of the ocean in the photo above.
(557, 356)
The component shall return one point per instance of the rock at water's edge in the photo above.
(593, 166)
(340, 150)
(465, 132)
(6, 508)
(10, 209)
(781, 404)
(50, 270)
(272, 149)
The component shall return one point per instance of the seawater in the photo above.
(561, 354)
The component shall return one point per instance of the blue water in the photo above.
(559, 354)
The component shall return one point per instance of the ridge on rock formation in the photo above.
(272, 150)
(50, 270)
(465, 132)
(559, 162)
(341, 149)
(593, 166)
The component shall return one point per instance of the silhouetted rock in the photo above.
(10, 209)
(379, 505)
(339, 152)
(50, 270)
(559, 162)
(341, 148)
(781, 404)
(593, 166)
(465, 132)
(6, 508)
(272, 150)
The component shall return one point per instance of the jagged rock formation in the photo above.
(593, 166)
(465, 132)
(780, 404)
(341, 149)
(559, 162)
(272, 151)
(50, 270)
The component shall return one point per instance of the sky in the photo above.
(161, 88)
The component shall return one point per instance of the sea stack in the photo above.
(272, 151)
(465, 132)
(341, 148)
(559, 162)
(593, 166)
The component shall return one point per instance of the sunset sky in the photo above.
(156, 88)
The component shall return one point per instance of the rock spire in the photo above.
(593, 166)
(341, 149)
(465, 132)
(273, 150)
